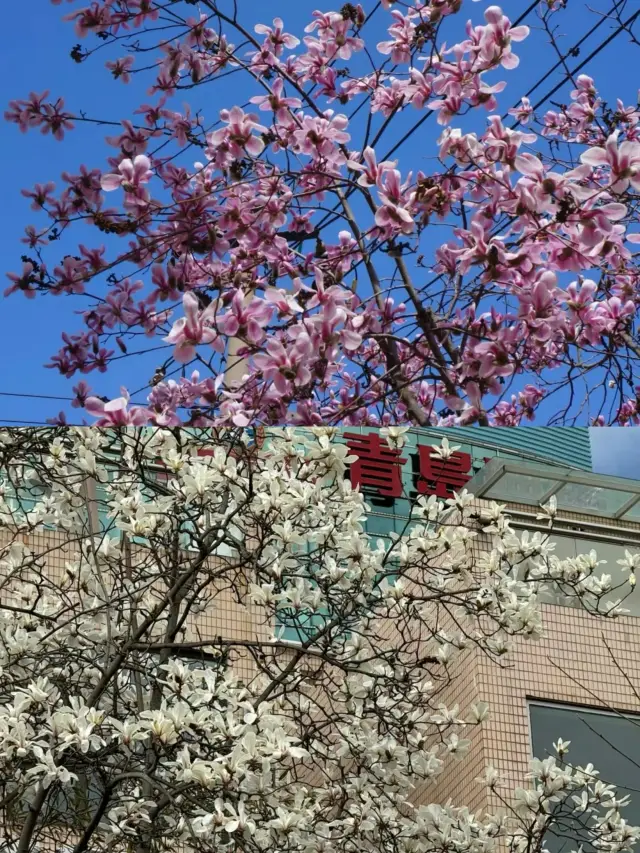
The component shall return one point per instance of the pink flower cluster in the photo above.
(313, 278)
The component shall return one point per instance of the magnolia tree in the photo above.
(119, 731)
(313, 253)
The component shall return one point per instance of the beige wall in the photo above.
(229, 616)
(571, 664)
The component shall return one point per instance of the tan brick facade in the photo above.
(571, 665)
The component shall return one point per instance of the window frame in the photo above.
(604, 535)
(597, 711)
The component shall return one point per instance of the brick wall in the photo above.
(571, 664)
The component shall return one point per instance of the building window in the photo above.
(71, 806)
(571, 546)
(188, 533)
(610, 741)
(295, 625)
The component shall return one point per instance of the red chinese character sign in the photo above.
(442, 477)
(378, 468)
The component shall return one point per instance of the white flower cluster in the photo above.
(110, 693)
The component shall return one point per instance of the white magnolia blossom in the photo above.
(630, 563)
(549, 510)
(444, 451)
(126, 725)
(395, 436)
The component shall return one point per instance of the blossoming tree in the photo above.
(123, 728)
(296, 259)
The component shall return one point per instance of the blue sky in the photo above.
(31, 331)
(616, 451)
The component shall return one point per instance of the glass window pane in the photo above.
(289, 632)
(609, 741)
(565, 546)
(522, 488)
(610, 552)
(380, 525)
(578, 496)
(633, 513)
(22, 492)
(102, 505)
(298, 626)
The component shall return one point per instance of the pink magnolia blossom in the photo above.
(41, 195)
(285, 303)
(276, 102)
(392, 215)
(402, 33)
(523, 112)
(338, 263)
(318, 137)
(245, 319)
(26, 283)
(82, 393)
(33, 237)
(276, 38)
(372, 171)
(623, 160)
(238, 134)
(196, 327)
(120, 68)
(132, 175)
(284, 367)
(333, 39)
(115, 412)
(494, 40)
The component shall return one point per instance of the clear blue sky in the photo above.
(36, 57)
(616, 451)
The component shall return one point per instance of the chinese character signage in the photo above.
(378, 469)
(442, 477)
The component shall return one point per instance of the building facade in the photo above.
(581, 682)
(392, 479)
